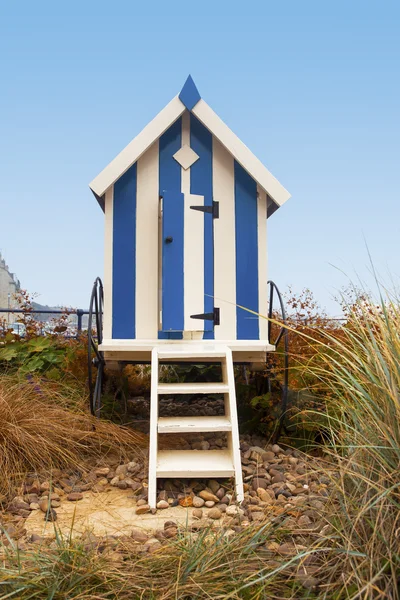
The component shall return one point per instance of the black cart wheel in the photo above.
(95, 356)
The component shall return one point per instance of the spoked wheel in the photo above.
(95, 356)
(283, 333)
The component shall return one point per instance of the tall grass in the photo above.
(361, 374)
(42, 427)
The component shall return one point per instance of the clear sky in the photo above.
(311, 87)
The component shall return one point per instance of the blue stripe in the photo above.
(172, 261)
(246, 254)
(124, 263)
(201, 177)
(170, 183)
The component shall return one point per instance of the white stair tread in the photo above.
(194, 424)
(192, 351)
(193, 388)
(194, 463)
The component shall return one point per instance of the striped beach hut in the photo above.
(186, 206)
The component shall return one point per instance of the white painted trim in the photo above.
(262, 262)
(137, 146)
(153, 442)
(109, 345)
(185, 173)
(241, 152)
(108, 262)
(147, 207)
(224, 242)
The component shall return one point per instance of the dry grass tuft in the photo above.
(41, 428)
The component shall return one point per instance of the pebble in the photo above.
(198, 502)
(209, 503)
(139, 536)
(102, 471)
(142, 509)
(233, 511)
(44, 505)
(206, 495)
(214, 513)
(75, 496)
(197, 513)
(162, 504)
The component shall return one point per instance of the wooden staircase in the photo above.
(194, 463)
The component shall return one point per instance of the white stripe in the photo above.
(262, 261)
(224, 242)
(108, 261)
(185, 173)
(147, 207)
(193, 267)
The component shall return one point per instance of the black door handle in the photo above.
(169, 240)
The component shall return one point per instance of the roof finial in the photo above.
(189, 94)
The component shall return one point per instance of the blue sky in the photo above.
(311, 87)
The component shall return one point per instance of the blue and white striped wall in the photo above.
(224, 263)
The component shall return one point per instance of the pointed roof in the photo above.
(190, 99)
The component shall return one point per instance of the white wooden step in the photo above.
(194, 463)
(193, 424)
(193, 388)
(191, 351)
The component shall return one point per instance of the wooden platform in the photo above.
(194, 463)
(243, 351)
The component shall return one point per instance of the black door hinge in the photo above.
(211, 316)
(213, 210)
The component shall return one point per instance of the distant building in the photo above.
(9, 286)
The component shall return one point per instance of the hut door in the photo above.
(182, 295)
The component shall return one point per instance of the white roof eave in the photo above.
(138, 146)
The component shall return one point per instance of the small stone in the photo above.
(259, 482)
(233, 511)
(220, 493)
(136, 487)
(304, 521)
(276, 449)
(141, 502)
(163, 495)
(102, 471)
(209, 503)
(132, 467)
(214, 513)
(198, 502)
(121, 470)
(168, 524)
(139, 536)
(35, 538)
(278, 478)
(34, 506)
(257, 516)
(204, 445)
(44, 505)
(197, 513)
(162, 504)
(55, 504)
(187, 501)
(114, 481)
(142, 509)
(122, 485)
(206, 495)
(268, 455)
(45, 486)
(214, 485)
(170, 532)
(225, 499)
(75, 496)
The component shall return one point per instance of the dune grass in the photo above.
(44, 426)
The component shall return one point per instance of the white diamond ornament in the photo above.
(186, 157)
